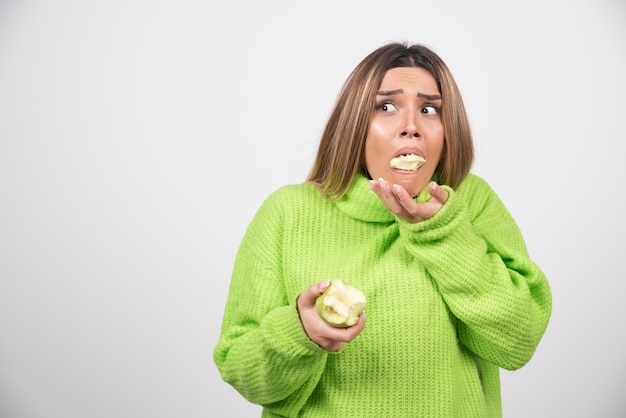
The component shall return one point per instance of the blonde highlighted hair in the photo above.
(341, 152)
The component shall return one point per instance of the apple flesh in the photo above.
(407, 162)
(341, 304)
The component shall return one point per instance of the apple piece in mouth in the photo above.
(407, 162)
(341, 304)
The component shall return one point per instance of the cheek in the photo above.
(374, 150)
(438, 147)
(436, 142)
(378, 129)
(377, 139)
(370, 153)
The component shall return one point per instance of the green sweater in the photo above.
(449, 301)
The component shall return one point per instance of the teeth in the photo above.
(408, 162)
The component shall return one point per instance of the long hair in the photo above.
(341, 152)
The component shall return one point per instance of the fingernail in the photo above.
(396, 188)
(324, 285)
(372, 184)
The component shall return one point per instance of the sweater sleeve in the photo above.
(475, 253)
(263, 351)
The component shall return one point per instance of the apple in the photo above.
(341, 304)
(407, 162)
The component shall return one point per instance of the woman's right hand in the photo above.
(319, 331)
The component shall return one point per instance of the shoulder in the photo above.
(293, 195)
(479, 196)
(290, 199)
(473, 183)
(281, 207)
(475, 187)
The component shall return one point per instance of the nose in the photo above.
(410, 134)
(410, 128)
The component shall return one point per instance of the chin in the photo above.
(412, 187)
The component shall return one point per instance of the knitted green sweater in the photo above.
(449, 301)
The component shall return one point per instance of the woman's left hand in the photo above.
(400, 202)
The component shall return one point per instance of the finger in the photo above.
(379, 187)
(348, 334)
(412, 211)
(333, 346)
(403, 196)
(437, 192)
(388, 196)
(322, 286)
(307, 298)
(418, 212)
(360, 325)
(373, 186)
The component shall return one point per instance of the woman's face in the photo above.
(406, 120)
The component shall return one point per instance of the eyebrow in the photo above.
(429, 96)
(388, 92)
(398, 91)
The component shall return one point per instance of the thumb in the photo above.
(307, 298)
(323, 286)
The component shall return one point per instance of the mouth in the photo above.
(407, 162)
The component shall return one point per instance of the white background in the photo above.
(138, 138)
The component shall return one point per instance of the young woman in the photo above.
(452, 295)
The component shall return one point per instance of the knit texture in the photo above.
(449, 301)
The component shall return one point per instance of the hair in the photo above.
(341, 152)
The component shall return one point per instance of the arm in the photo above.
(476, 254)
(263, 351)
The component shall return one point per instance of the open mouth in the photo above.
(407, 162)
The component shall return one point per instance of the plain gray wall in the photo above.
(138, 138)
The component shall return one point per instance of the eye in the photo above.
(386, 107)
(431, 110)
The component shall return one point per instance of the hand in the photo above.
(400, 202)
(319, 331)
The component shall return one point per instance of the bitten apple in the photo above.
(341, 304)
(407, 162)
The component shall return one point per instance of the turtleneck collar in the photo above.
(363, 204)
